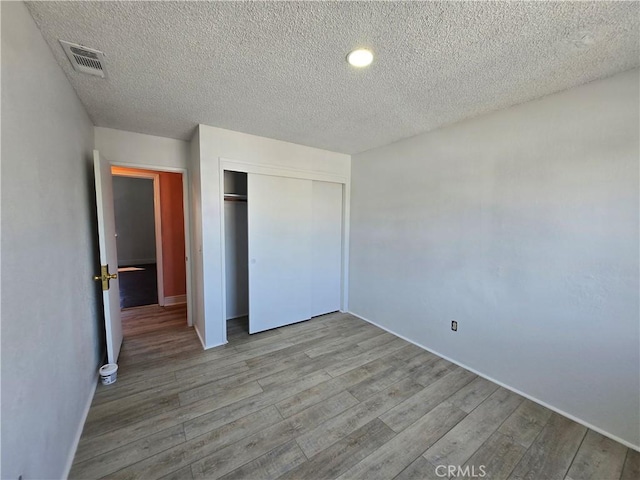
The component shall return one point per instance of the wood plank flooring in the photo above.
(334, 397)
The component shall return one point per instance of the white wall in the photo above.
(52, 329)
(522, 225)
(209, 145)
(121, 147)
(135, 222)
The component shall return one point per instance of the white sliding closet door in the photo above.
(326, 247)
(279, 220)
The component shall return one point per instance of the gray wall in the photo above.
(236, 259)
(236, 246)
(135, 223)
(522, 225)
(51, 326)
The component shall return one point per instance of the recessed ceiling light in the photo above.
(360, 58)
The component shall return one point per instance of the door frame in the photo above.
(157, 221)
(282, 171)
(187, 223)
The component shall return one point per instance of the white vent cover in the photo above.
(85, 60)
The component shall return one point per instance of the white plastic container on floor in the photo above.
(108, 373)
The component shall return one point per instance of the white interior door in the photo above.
(326, 248)
(279, 226)
(108, 255)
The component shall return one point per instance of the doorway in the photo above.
(137, 228)
(152, 245)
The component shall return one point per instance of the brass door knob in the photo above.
(105, 277)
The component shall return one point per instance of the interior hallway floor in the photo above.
(334, 397)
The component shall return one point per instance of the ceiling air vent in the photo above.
(85, 60)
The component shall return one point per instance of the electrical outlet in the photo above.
(454, 325)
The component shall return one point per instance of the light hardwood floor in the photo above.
(334, 397)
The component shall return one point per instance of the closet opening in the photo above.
(236, 254)
(282, 249)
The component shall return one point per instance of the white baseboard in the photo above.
(204, 345)
(508, 387)
(175, 300)
(76, 440)
(238, 316)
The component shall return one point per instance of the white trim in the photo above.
(223, 251)
(76, 439)
(186, 208)
(204, 346)
(346, 232)
(157, 222)
(158, 225)
(145, 166)
(278, 171)
(508, 387)
(186, 205)
(175, 300)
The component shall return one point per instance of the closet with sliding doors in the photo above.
(283, 248)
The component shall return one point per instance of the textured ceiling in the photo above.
(278, 69)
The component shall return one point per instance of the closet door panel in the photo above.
(326, 248)
(279, 220)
